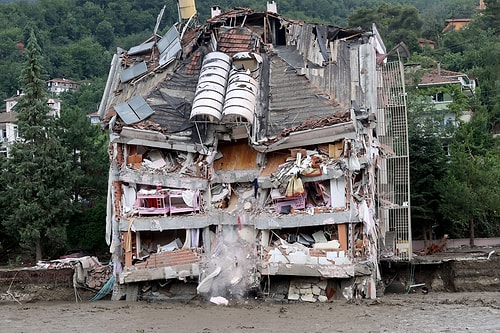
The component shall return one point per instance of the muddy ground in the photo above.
(417, 312)
(463, 296)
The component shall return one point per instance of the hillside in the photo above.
(79, 37)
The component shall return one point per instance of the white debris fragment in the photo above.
(219, 300)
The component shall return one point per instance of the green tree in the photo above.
(82, 59)
(471, 188)
(88, 150)
(426, 136)
(87, 228)
(104, 34)
(475, 51)
(397, 23)
(10, 61)
(37, 196)
(89, 166)
(491, 16)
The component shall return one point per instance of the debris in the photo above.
(206, 283)
(219, 300)
(105, 290)
(490, 254)
(238, 153)
(435, 248)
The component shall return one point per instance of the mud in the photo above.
(432, 312)
(39, 301)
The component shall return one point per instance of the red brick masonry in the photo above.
(171, 258)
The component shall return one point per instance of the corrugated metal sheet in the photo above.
(322, 38)
(335, 78)
(368, 76)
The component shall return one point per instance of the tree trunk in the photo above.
(471, 232)
(38, 250)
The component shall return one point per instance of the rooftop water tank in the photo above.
(211, 88)
(187, 8)
(241, 96)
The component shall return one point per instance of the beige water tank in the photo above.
(187, 8)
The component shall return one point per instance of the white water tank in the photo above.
(211, 88)
(241, 96)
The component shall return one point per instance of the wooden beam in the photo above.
(342, 230)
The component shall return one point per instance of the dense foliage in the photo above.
(79, 37)
(37, 173)
(428, 138)
(396, 23)
(461, 196)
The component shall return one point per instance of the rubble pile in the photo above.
(308, 291)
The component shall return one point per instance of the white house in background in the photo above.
(8, 120)
(94, 118)
(57, 85)
(438, 77)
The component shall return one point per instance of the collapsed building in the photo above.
(254, 147)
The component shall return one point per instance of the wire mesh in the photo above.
(394, 176)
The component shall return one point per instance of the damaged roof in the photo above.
(440, 76)
(293, 93)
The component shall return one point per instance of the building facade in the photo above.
(253, 147)
(57, 85)
(443, 87)
(8, 121)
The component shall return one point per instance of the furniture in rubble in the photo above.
(152, 204)
(183, 201)
(165, 201)
(284, 204)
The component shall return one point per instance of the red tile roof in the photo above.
(195, 63)
(443, 76)
(59, 80)
(237, 40)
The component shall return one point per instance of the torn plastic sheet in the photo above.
(367, 218)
